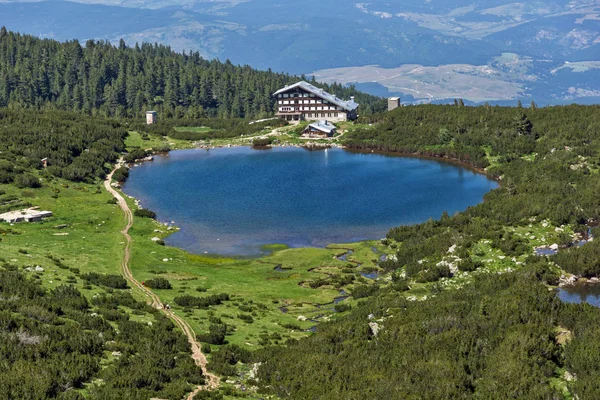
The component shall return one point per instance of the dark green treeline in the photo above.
(124, 82)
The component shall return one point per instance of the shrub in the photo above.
(468, 265)
(361, 291)
(27, 181)
(201, 302)
(216, 334)
(144, 213)
(434, 273)
(158, 283)
(262, 142)
(121, 174)
(342, 307)
(111, 281)
(246, 318)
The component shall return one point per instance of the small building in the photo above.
(27, 215)
(320, 129)
(150, 117)
(303, 101)
(393, 103)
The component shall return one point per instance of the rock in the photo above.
(554, 246)
(165, 259)
(569, 376)
(38, 269)
(371, 316)
(254, 371)
(567, 280)
(155, 239)
(301, 318)
(375, 328)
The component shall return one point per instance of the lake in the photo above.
(589, 293)
(232, 201)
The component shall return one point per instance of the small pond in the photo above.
(581, 293)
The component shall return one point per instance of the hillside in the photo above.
(290, 36)
(126, 81)
(467, 311)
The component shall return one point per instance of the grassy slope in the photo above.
(94, 243)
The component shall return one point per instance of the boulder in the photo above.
(375, 328)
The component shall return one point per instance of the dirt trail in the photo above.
(212, 381)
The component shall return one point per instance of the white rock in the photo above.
(165, 259)
(375, 328)
(155, 239)
(554, 246)
(301, 318)
(39, 269)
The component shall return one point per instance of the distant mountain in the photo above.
(493, 50)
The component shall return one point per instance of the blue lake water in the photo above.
(581, 294)
(231, 201)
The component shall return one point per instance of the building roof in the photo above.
(323, 126)
(348, 105)
(26, 214)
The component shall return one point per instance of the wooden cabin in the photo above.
(321, 129)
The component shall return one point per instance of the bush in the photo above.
(144, 213)
(27, 181)
(201, 302)
(246, 318)
(135, 154)
(262, 142)
(434, 273)
(121, 174)
(158, 283)
(216, 334)
(111, 281)
(361, 291)
(468, 265)
(342, 307)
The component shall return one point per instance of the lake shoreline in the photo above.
(317, 146)
(211, 253)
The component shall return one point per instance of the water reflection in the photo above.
(581, 294)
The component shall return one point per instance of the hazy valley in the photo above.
(431, 51)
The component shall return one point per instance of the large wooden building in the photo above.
(303, 101)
